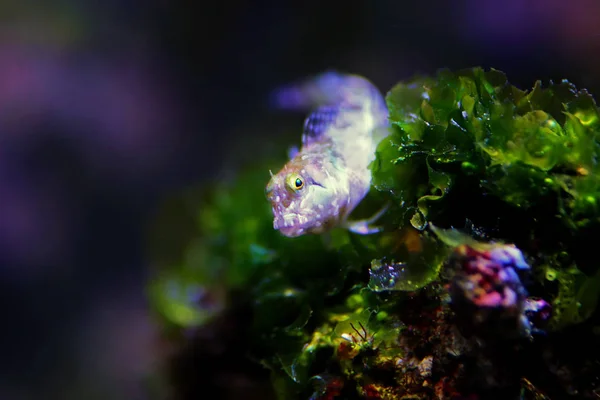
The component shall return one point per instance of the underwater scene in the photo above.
(300, 200)
(436, 240)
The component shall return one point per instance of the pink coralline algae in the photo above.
(487, 294)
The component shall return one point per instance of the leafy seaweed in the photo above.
(466, 150)
(468, 146)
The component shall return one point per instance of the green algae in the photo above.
(466, 150)
(416, 270)
(469, 139)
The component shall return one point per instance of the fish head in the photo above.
(305, 197)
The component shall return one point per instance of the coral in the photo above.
(480, 284)
(486, 292)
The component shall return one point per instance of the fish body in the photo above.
(329, 175)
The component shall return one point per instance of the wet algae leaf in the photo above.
(326, 314)
(468, 146)
(518, 144)
(420, 266)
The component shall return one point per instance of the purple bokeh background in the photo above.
(107, 109)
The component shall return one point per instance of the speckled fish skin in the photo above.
(327, 178)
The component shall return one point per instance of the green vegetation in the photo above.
(468, 151)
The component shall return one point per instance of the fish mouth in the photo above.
(291, 231)
(293, 224)
(289, 224)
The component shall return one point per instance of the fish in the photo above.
(328, 176)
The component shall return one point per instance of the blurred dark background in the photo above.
(107, 108)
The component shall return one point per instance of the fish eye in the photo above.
(295, 182)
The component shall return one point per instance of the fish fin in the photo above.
(293, 152)
(366, 226)
(318, 122)
(308, 93)
(327, 88)
(361, 227)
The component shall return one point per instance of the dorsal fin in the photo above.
(318, 122)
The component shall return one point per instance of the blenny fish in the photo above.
(329, 175)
